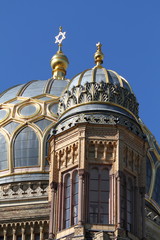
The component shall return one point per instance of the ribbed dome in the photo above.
(34, 88)
(28, 112)
(98, 89)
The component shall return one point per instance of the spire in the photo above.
(59, 62)
(98, 56)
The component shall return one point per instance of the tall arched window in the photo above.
(75, 198)
(3, 153)
(67, 201)
(70, 214)
(99, 195)
(26, 148)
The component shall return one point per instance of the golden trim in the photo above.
(23, 88)
(106, 74)
(80, 78)
(96, 102)
(127, 83)
(118, 76)
(8, 111)
(36, 105)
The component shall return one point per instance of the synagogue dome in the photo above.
(98, 90)
(27, 113)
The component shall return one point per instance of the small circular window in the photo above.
(29, 110)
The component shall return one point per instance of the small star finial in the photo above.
(98, 56)
(60, 37)
(99, 45)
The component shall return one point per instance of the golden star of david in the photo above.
(60, 37)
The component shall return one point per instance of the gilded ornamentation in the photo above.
(100, 93)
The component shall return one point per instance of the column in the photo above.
(80, 196)
(5, 234)
(14, 233)
(118, 201)
(41, 232)
(53, 186)
(32, 233)
(23, 233)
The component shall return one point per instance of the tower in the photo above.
(76, 161)
(97, 159)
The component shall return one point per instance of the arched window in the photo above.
(99, 195)
(3, 153)
(26, 148)
(67, 201)
(75, 198)
(70, 209)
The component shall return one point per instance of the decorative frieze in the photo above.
(102, 150)
(23, 190)
(67, 155)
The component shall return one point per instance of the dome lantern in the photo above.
(59, 62)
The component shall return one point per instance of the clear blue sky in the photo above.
(129, 31)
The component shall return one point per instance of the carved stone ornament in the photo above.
(98, 92)
(107, 119)
(23, 190)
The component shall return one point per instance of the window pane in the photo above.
(75, 198)
(67, 196)
(93, 218)
(94, 173)
(99, 195)
(3, 153)
(105, 185)
(104, 208)
(93, 208)
(94, 185)
(104, 218)
(26, 148)
(93, 196)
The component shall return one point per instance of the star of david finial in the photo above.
(60, 37)
(98, 56)
(99, 45)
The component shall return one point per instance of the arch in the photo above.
(26, 148)
(3, 153)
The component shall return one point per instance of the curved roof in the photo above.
(98, 89)
(34, 88)
(99, 74)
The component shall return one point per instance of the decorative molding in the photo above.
(101, 92)
(24, 190)
(107, 119)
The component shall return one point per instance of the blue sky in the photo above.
(129, 31)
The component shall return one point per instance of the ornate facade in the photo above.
(76, 161)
